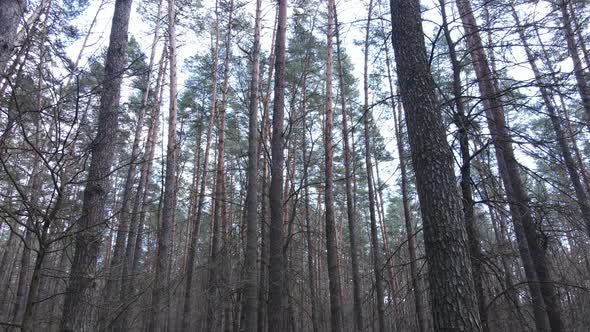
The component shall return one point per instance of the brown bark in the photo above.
(97, 186)
(453, 302)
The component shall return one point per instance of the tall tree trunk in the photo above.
(445, 239)
(196, 221)
(218, 269)
(114, 280)
(533, 256)
(250, 297)
(463, 124)
(133, 248)
(331, 245)
(276, 273)
(160, 296)
(308, 227)
(92, 219)
(375, 247)
(352, 235)
(409, 227)
(265, 197)
(34, 198)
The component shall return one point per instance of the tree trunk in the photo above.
(331, 245)
(196, 221)
(579, 73)
(531, 252)
(160, 296)
(410, 236)
(568, 160)
(133, 249)
(250, 298)
(463, 124)
(356, 287)
(454, 305)
(375, 247)
(276, 273)
(114, 280)
(218, 269)
(90, 224)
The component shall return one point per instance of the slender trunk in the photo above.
(31, 225)
(263, 304)
(356, 287)
(114, 280)
(218, 269)
(76, 306)
(133, 249)
(331, 245)
(308, 227)
(579, 73)
(276, 273)
(579, 33)
(160, 296)
(250, 298)
(375, 247)
(454, 305)
(196, 221)
(568, 160)
(463, 124)
(533, 256)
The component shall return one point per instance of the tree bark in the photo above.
(115, 279)
(276, 272)
(90, 224)
(454, 305)
(331, 245)
(250, 297)
(134, 241)
(463, 124)
(217, 262)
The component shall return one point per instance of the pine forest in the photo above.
(295, 165)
